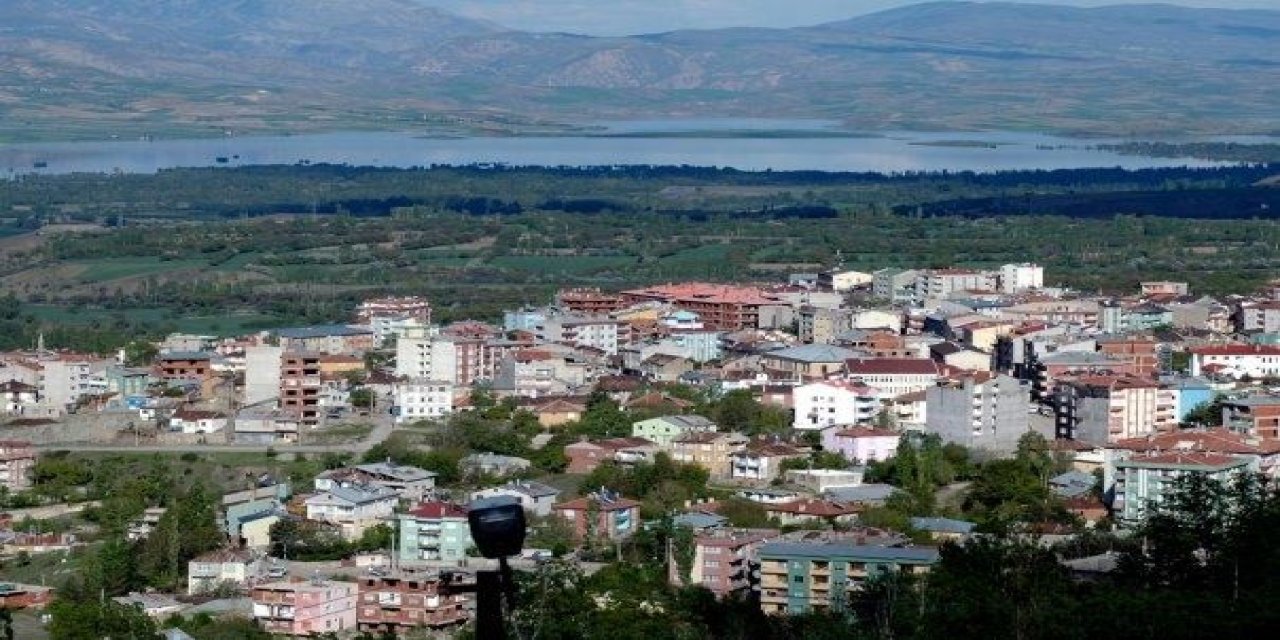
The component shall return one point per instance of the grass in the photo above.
(561, 264)
(222, 325)
(107, 269)
(340, 434)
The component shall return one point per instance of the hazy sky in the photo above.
(613, 17)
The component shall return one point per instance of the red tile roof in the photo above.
(704, 292)
(891, 366)
(1237, 350)
(1211, 440)
(1191, 459)
(867, 432)
(819, 508)
(435, 510)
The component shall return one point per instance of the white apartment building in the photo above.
(1236, 360)
(1140, 482)
(893, 377)
(1016, 278)
(420, 399)
(1101, 409)
(596, 332)
(935, 284)
(68, 378)
(262, 373)
(828, 403)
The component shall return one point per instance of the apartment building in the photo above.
(434, 531)
(1263, 454)
(404, 601)
(801, 577)
(761, 461)
(711, 451)
(1141, 481)
(305, 608)
(820, 325)
(721, 307)
(17, 457)
(1257, 416)
(861, 445)
(894, 285)
(724, 560)
(221, 568)
(1236, 360)
(596, 332)
(262, 368)
(67, 378)
(1017, 278)
(407, 481)
(1143, 354)
(806, 362)
(542, 372)
(181, 368)
(421, 399)
(892, 377)
(936, 284)
(979, 410)
(335, 339)
(300, 388)
(1101, 409)
(1257, 317)
(828, 403)
(383, 315)
(589, 300)
(353, 508)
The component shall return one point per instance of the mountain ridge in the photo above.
(251, 65)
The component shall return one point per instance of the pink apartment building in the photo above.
(305, 608)
(723, 560)
(861, 444)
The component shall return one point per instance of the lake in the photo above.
(743, 143)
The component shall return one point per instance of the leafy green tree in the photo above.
(94, 620)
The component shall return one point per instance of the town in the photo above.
(780, 445)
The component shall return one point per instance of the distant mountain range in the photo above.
(88, 67)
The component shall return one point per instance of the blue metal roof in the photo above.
(853, 552)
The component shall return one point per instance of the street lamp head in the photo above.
(497, 526)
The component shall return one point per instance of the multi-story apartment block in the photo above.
(421, 399)
(1141, 481)
(186, 368)
(1100, 409)
(981, 410)
(1143, 354)
(383, 315)
(602, 516)
(1164, 288)
(936, 284)
(68, 378)
(724, 560)
(433, 532)
(305, 608)
(861, 445)
(1236, 360)
(1257, 317)
(798, 577)
(1257, 416)
(721, 307)
(806, 362)
(894, 285)
(761, 461)
(335, 339)
(1016, 278)
(16, 460)
(589, 300)
(666, 429)
(893, 377)
(820, 325)
(262, 373)
(828, 403)
(536, 373)
(300, 387)
(596, 332)
(711, 451)
(405, 601)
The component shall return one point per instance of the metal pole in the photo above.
(489, 624)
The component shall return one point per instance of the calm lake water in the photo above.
(749, 144)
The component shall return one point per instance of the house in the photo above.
(867, 495)
(558, 412)
(604, 515)
(665, 367)
(710, 450)
(307, 608)
(407, 481)
(808, 510)
(893, 377)
(666, 429)
(807, 362)
(586, 456)
(263, 426)
(861, 445)
(14, 596)
(221, 568)
(179, 368)
(193, 421)
(944, 529)
(822, 480)
(535, 497)
(17, 457)
(155, 605)
(434, 531)
(658, 402)
(353, 507)
(724, 560)
(1072, 484)
(141, 527)
(493, 464)
(761, 461)
(402, 602)
(813, 577)
(820, 405)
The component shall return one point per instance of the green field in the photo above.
(561, 264)
(107, 269)
(224, 325)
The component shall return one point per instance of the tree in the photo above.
(376, 538)
(1206, 414)
(140, 353)
(362, 398)
(91, 619)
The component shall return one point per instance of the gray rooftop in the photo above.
(700, 520)
(943, 525)
(814, 353)
(861, 493)
(836, 550)
(1256, 401)
(398, 472)
(692, 422)
(531, 489)
(357, 494)
(1079, 357)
